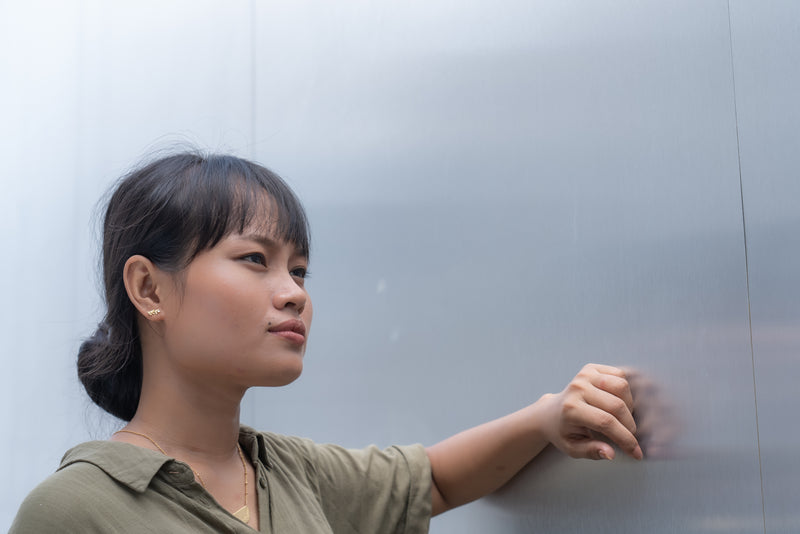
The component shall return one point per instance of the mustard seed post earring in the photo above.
(153, 313)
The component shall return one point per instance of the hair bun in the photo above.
(107, 383)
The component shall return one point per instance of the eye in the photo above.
(255, 257)
(300, 272)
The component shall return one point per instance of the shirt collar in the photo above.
(128, 464)
(135, 466)
(253, 445)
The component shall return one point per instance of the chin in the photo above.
(286, 377)
(273, 370)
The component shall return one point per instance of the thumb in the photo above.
(592, 449)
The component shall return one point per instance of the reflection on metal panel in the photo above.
(502, 198)
(766, 49)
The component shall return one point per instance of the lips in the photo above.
(292, 330)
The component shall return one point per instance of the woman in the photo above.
(204, 260)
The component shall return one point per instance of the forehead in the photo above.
(264, 228)
(278, 216)
(261, 215)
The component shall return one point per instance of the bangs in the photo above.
(183, 204)
(227, 195)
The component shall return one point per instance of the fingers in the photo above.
(592, 449)
(608, 425)
(610, 379)
(613, 405)
(607, 369)
(599, 399)
(581, 443)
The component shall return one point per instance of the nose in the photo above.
(288, 294)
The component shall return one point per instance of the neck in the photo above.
(193, 416)
(188, 419)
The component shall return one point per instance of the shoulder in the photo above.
(297, 447)
(360, 490)
(64, 501)
(301, 452)
(329, 458)
(94, 482)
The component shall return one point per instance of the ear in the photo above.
(144, 283)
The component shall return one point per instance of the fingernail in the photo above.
(638, 454)
(602, 454)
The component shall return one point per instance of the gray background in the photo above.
(499, 193)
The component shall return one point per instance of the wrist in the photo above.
(539, 421)
(545, 415)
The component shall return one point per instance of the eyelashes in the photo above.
(301, 272)
(258, 258)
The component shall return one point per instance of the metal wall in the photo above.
(767, 55)
(499, 193)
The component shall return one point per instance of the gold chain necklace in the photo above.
(243, 513)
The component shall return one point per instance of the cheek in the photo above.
(308, 313)
(221, 312)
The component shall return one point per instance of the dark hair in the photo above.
(168, 211)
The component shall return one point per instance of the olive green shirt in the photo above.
(302, 487)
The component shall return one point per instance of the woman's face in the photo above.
(241, 313)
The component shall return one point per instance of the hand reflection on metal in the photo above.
(657, 422)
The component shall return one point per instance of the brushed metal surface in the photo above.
(500, 196)
(497, 196)
(766, 55)
(87, 87)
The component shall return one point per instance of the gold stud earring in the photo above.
(153, 313)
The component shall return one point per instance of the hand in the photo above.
(597, 400)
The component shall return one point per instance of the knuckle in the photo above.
(624, 386)
(622, 391)
(569, 408)
(613, 384)
(606, 421)
(575, 388)
(618, 405)
(603, 383)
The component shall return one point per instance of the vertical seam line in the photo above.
(253, 80)
(253, 48)
(746, 265)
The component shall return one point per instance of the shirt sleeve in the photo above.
(370, 490)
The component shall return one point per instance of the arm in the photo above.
(478, 461)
